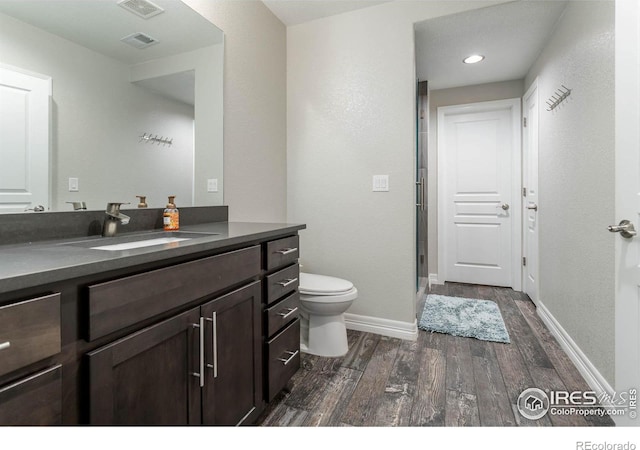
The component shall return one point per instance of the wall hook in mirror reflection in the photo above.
(154, 139)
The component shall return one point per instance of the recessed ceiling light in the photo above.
(473, 59)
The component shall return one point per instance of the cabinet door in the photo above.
(149, 377)
(35, 400)
(233, 382)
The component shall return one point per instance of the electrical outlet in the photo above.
(212, 185)
(74, 185)
(381, 183)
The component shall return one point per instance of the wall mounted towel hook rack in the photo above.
(558, 97)
(154, 139)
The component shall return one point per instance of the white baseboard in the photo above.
(433, 279)
(385, 327)
(591, 375)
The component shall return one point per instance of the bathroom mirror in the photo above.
(136, 100)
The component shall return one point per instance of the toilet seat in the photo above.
(322, 285)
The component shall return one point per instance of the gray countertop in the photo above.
(35, 264)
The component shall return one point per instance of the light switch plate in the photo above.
(212, 185)
(74, 185)
(381, 183)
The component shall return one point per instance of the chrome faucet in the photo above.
(113, 217)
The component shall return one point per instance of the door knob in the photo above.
(505, 206)
(625, 228)
(532, 206)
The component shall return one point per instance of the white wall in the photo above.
(254, 108)
(208, 65)
(576, 179)
(447, 97)
(350, 115)
(98, 116)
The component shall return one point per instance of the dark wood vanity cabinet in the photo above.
(202, 340)
(147, 378)
(33, 400)
(281, 314)
(199, 367)
(232, 385)
(29, 339)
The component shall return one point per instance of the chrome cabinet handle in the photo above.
(214, 343)
(287, 282)
(200, 375)
(287, 251)
(214, 319)
(288, 313)
(7, 344)
(625, 228)
(288, 360)
(532, 206)
(504, 206)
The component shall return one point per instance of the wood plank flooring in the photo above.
(438, 380)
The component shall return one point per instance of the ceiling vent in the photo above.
(139, 40)
(141, 8)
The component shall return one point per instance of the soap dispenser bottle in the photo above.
(171, 216)
(142, 203)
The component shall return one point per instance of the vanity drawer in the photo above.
(29, 332)
(282, 282)
(283, 358)
(120, 303)
(282, 252)
(282, 313)
(34, 400)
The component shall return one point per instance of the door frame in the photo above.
(46, 140)
(627, 152)
(532, 91)
(515, 105)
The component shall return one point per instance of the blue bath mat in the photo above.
(480, 319)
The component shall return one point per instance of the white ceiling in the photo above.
(510, 36)
(99, 25)
(294, 12)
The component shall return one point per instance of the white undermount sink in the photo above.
(139, 244)
(130, 242)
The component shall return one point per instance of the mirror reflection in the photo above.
(105, 100)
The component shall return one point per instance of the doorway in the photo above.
(479, 167)
(530, 193)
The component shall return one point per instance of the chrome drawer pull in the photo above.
(214, 343)
(5, 345)
(287, 251)
(288, 360)
(287, 314)
(201, 374)
(287, 282)
(214, 318)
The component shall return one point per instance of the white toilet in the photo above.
(323, 301)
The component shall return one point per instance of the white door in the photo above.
(478, 200)
(627, 299)
(24, 140)
(530, 192)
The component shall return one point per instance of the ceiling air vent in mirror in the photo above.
(139, 40)
(142, 8)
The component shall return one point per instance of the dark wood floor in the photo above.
(438, 380)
